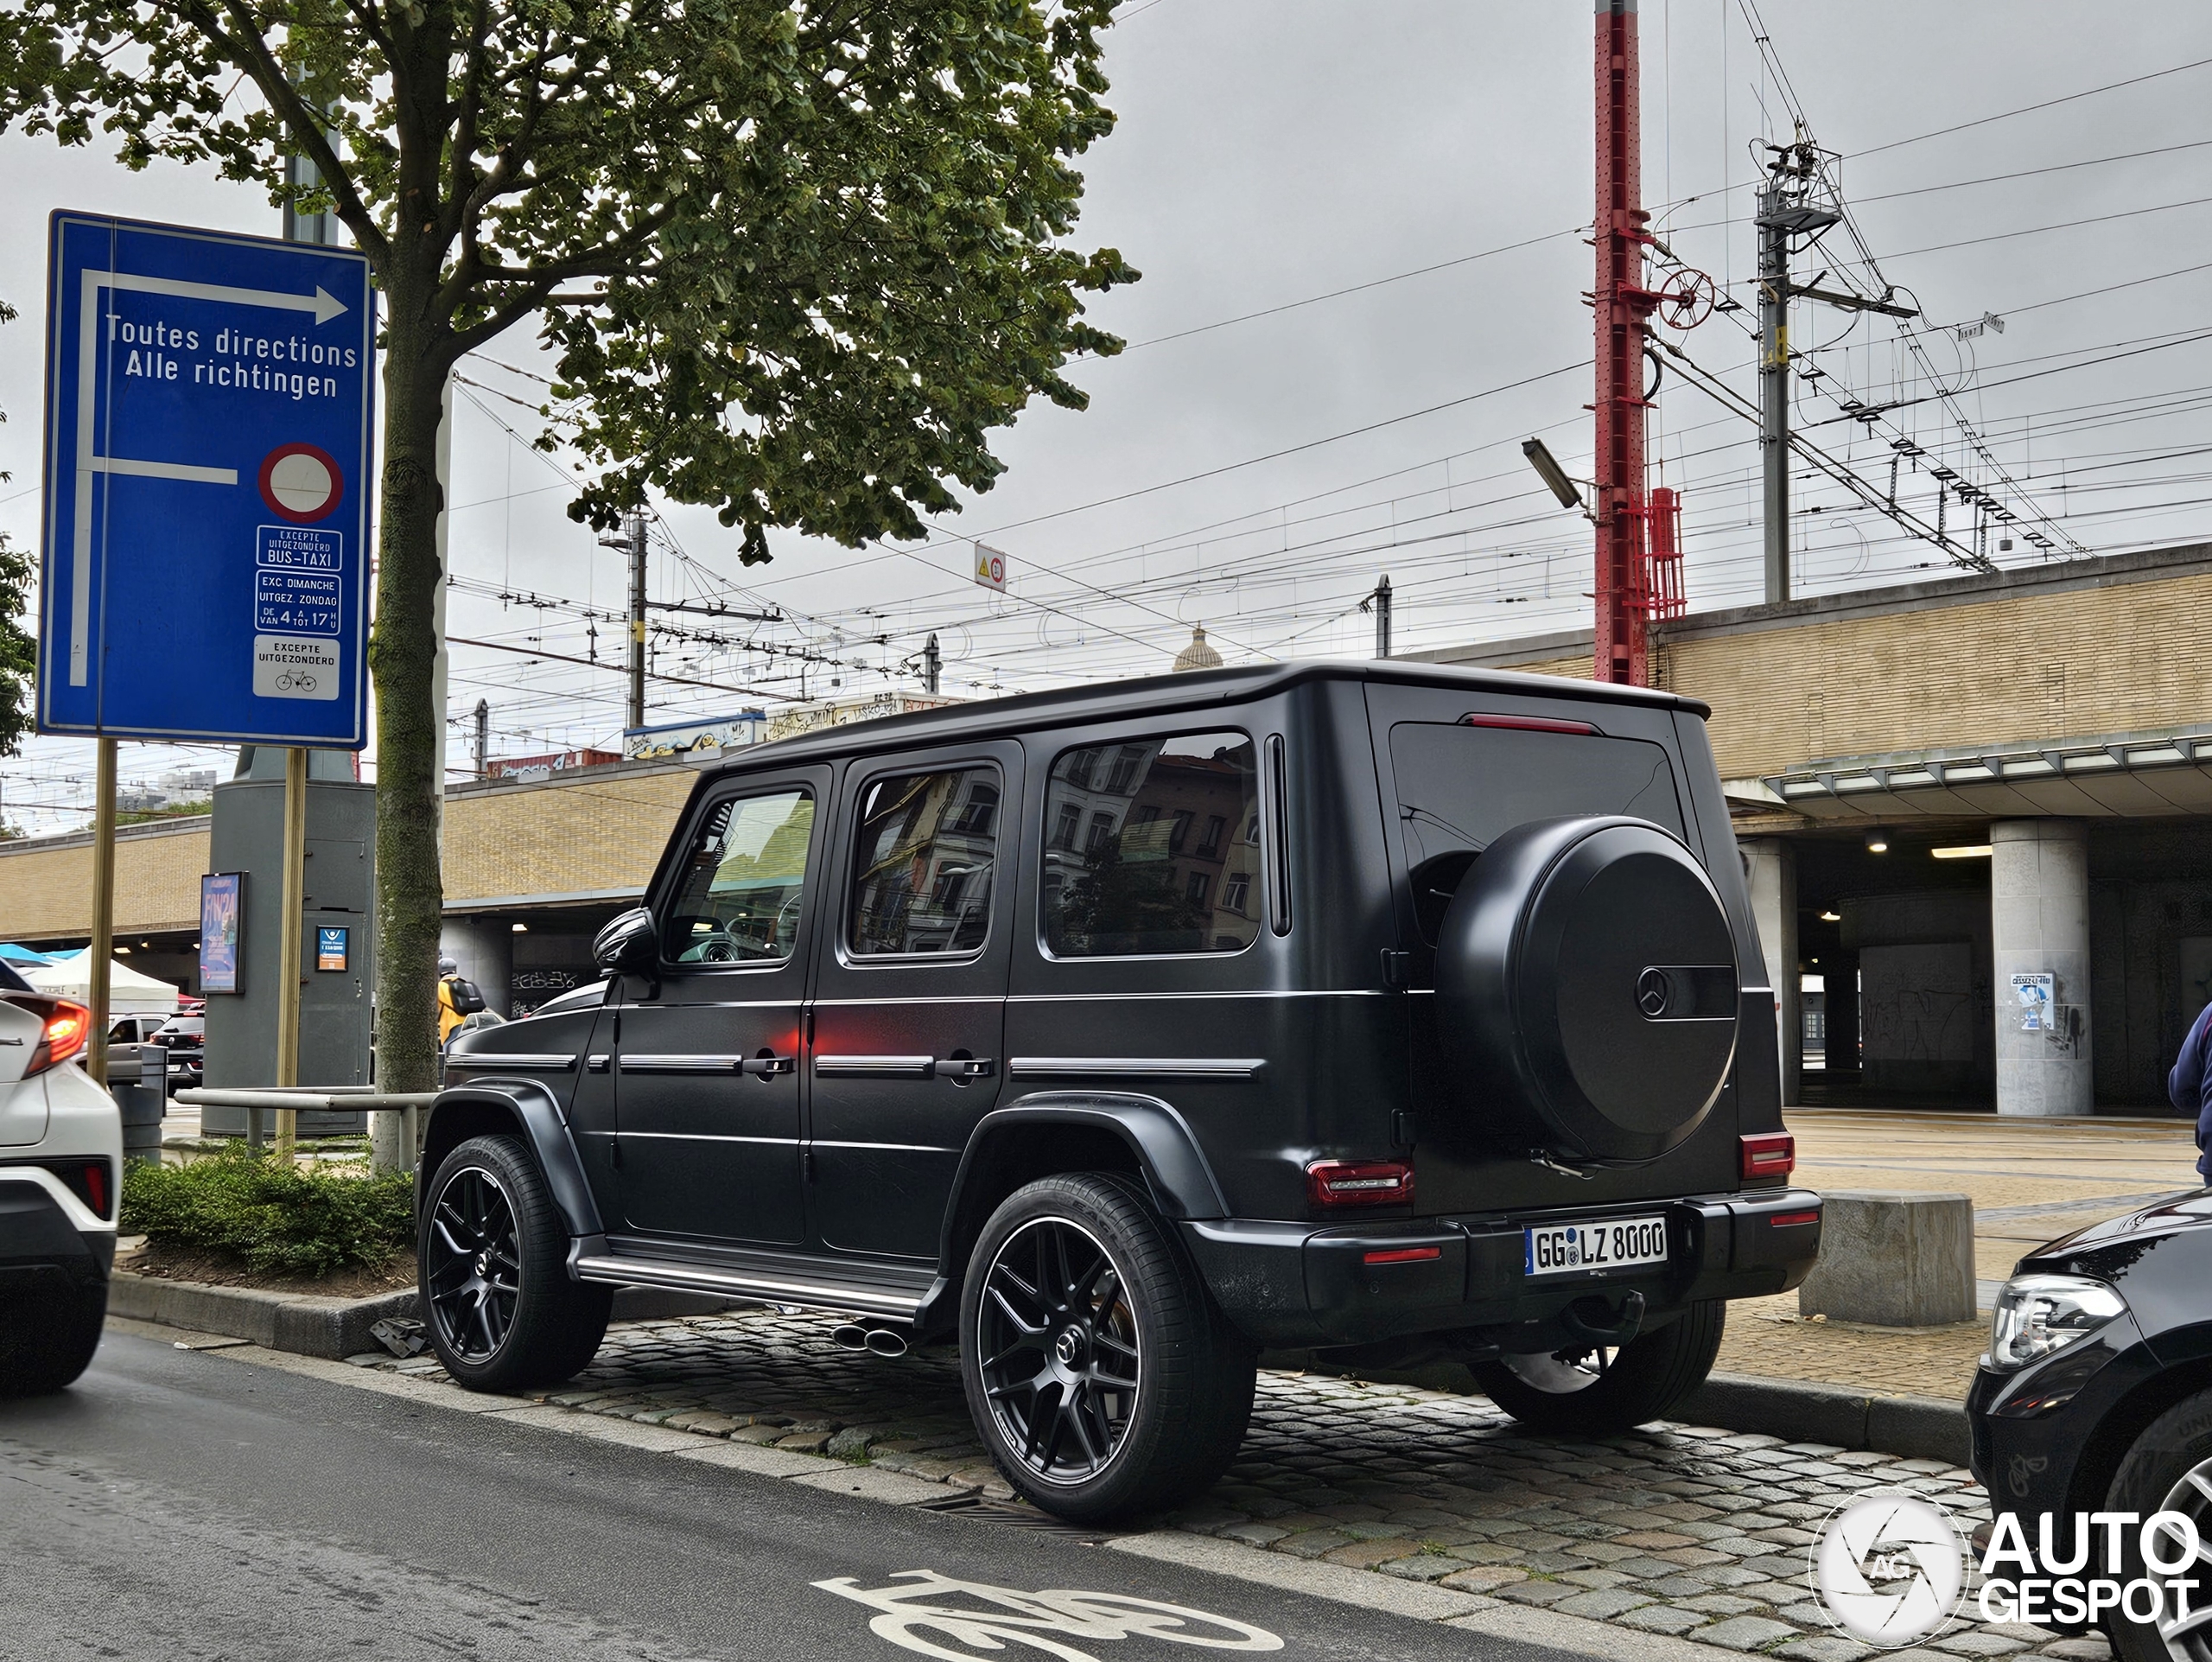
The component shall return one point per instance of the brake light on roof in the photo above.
(1351, 1183)
(67, 1027)
(1767, 1154)
(1528, 723)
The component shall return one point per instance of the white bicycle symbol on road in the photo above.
(984, 1618)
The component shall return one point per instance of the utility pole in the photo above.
(633, 541)
(483, 736)
(1621, 304)
(1382, 598)
(1798, 199)
(932, 665)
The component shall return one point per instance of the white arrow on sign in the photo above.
(324, 305)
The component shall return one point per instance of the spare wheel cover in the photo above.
(1587, 986)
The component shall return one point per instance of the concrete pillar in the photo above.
(1773, 875)
(2039, 925)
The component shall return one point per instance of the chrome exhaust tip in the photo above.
(884, 1342)
(851, 1335)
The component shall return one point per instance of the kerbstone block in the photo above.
(1893, 1259)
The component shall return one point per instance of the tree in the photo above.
(796, 261)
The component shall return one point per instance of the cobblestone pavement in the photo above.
(1677, 1530)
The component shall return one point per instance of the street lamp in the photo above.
(1548, 468)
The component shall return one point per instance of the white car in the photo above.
(61, 1164)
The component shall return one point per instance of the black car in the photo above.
(1398, 1012)
(2096, 1397)
(186, 1038)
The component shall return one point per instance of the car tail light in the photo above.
(1786, 1219)
(90, 1180)
(67, 1027)
(1348, 1183)
(1768, 1154)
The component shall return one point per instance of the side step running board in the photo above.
(855, 1297)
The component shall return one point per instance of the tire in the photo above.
(1639, 1382)
(48, 1337)
(1088, 1431)
(492, 1266)
(2154, 1476)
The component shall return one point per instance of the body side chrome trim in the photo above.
(1137, 1067)
(513, 1058)
(874, 1067)
(679, 1064)
(661, 1272)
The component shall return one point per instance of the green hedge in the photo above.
(277, 1219)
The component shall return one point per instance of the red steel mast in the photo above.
(1622, 304)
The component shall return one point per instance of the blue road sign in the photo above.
(208, 406)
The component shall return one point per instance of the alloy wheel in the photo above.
(1061, 1364)
(475, 1275)
(2189, 1638)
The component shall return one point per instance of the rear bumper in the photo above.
(1293, 1284)
(46, 1237)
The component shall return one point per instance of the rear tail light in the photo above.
(67, 1027)
(1347, 1183)
(1786, 1220)
(90, 1180)
(1768, 1154)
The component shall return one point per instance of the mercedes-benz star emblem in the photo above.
(1651, 991)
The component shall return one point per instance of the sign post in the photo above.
(209, 404)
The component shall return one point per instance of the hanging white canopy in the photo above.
(128, 993)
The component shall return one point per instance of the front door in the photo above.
(707, 1086)
(909, 1018)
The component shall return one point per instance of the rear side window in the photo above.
(1461, 787)
(924, 865)
(1152, 846)
(743, 882)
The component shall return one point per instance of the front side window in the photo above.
(1156, 872)
(743, 881)
(923, 864)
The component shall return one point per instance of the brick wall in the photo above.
(46, 888)
(584, 835)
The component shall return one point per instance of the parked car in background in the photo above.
(61, 1162)
(1400, 1013)
(186, 1038)
(2096, 1393)
(137, 1029)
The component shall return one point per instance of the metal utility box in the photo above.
(248, 837)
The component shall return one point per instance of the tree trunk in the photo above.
(410, 891)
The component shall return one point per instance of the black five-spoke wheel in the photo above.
(1062, 1362)
(491, 1263)
(1101, 1377)
(471, 1263)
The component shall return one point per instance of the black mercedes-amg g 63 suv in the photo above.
(1382, 1009)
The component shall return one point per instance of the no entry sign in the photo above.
(209, 401)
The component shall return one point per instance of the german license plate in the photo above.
(1559, 1249)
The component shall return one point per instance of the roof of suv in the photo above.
(1192, 690)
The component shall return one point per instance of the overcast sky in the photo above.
(1274, 150)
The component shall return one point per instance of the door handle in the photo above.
(967, 1067)
(767, 1068)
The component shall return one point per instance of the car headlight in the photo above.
(2037, 1315)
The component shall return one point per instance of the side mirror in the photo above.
(628, 946)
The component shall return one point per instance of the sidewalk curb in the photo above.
(1918, 1427)
(333, 1328)
(299, 1322)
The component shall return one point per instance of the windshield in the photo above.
(1462, 787)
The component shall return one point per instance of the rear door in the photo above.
(910, 1008)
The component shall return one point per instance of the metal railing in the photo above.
(328, 1098)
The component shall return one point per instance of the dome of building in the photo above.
(1198, 655)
